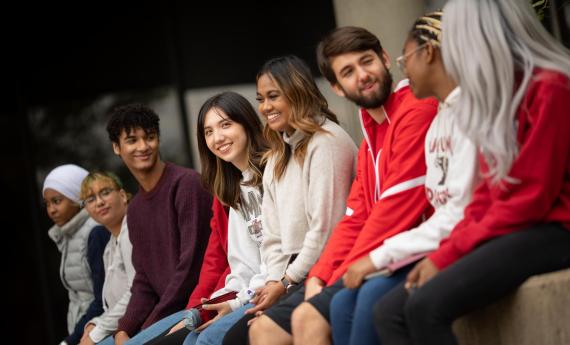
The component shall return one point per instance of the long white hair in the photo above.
(484, 43)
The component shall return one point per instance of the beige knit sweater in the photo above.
(301, 209)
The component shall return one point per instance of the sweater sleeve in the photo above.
(541, 167)
(143, 297)
(345, 233)
(96, 242)
(215, 266)
(142, 300)
(271, 248)
(329, 169)
(461, 178)
(107, 323)
(192, 204)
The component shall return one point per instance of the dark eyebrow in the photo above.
(365, 56)
(344, 69)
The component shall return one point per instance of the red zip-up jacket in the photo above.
(542, 169)
(387, 195)
(215, 267)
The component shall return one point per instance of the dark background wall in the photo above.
(62, 57)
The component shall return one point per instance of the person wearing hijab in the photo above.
(81, 242)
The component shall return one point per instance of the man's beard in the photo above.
(377, 99)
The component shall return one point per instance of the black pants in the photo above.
(482, 277)
(238, 334)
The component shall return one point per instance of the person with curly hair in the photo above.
(168, 221)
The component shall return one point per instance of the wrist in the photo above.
(287, 283)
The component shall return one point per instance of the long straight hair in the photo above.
(487, 46)
(222, 178)
(307, 103)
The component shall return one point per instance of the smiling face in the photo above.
(105, 203)
(226, 138)
(60, 209)
(363, 78)
(273, 105)
(138, 149)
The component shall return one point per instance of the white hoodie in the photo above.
(452, 174)
(244, 242)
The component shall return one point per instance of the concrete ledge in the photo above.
(538, 313)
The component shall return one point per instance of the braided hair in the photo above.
(428, 29)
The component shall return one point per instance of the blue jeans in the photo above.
(352, 316)
(214, 334)
(156, 329)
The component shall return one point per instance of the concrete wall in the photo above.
(538, 313)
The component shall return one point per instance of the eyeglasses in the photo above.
(103, 195)
(401, 60)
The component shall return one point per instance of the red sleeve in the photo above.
(215, 266)
(540, 167)
(346, 231)
(402, 200)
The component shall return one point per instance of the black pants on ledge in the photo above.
(482, 277)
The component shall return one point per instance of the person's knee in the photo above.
(306, 317)
(261, 328)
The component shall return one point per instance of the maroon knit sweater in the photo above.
(169, 228)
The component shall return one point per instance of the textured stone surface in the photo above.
(538, 313)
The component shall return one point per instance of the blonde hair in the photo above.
(103, 176)
(427, 28)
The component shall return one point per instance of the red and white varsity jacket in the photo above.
(387, 195)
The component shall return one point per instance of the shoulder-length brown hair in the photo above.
(222, 178)
(307, 103)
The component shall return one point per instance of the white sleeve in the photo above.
(107, 323)
(461, 180)
(271, 248)
(329, 176)
(244, 259)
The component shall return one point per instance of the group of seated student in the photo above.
(464, 166)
